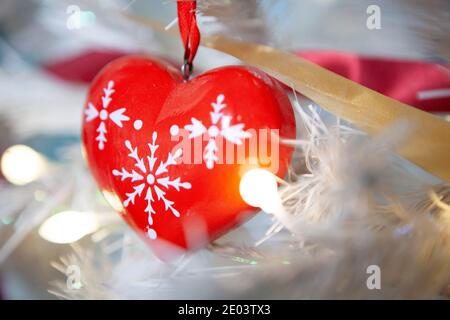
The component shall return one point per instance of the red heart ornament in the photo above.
(169, 155)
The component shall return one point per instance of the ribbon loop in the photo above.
(190, 34)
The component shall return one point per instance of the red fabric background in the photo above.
(398, 79)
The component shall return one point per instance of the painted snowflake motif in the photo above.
(116, 116)
(151, 180)
(220, 126)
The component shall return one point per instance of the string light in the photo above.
(258, 188)
(68, 226)
(21, 164)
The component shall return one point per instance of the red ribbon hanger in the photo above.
(190, 34)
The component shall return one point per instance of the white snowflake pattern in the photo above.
(221, 126)
(152, 178)
(116, 116)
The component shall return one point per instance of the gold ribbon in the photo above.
(428, 142)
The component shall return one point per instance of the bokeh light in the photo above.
(21, 164)
(68, 226)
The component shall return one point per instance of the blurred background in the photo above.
(51, 50)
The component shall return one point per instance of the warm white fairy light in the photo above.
(68, 226)
(20, 164)
(258, 188)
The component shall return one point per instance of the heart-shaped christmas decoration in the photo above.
(169, 154)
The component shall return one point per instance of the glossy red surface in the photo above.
(136, 104)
